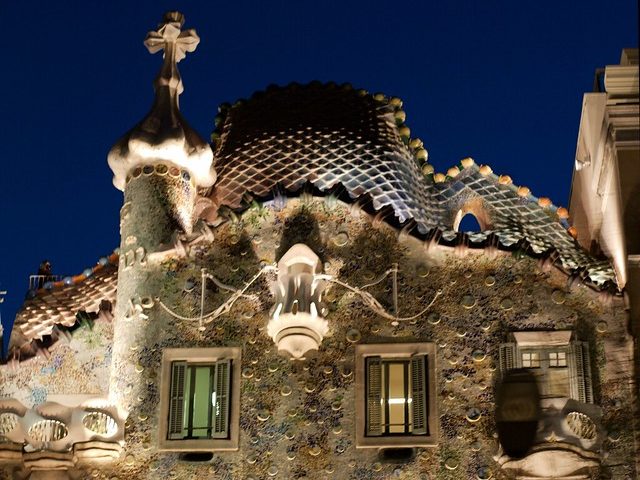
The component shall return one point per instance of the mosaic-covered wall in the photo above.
(77, 365)
(297, 418)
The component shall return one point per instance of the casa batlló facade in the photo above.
(295, 301)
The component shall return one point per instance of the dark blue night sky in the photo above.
(499, 81)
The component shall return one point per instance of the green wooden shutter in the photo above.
(580, 387)
(507, 355)
(222, 385)
(374, 396)
(176, 403)
(419, 394)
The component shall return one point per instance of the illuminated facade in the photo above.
(605, 194)
(295, 301)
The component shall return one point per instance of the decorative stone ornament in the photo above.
(297, 324)
(164, 135)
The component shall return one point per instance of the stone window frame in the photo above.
(395, 351)
(577, 357)
(200, 355)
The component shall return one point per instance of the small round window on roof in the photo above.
(467, 223)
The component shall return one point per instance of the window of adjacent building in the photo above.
(395, 395)
(199, 402)
(560, 363)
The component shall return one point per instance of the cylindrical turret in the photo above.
(159, 165)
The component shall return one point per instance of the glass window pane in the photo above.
(535, 359)
(396, 400)
(562, 359)
(202, 401)
(557, 382)
(199, 402)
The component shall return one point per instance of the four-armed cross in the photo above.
(175, 44)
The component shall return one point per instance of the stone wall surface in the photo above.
(298, 418)
(77, 365)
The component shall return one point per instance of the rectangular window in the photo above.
(561, 365)
(531, 360)
(392, 384)
(395, 395)
(199, 400)
(557, 359)
(199, 403)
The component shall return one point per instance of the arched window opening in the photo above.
(472, 217)
(467, 223)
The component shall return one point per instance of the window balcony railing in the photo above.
(36, 282)
(93, 430)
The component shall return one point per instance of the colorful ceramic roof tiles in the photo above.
(328, 135)
(57, 305)
(325, 135)
(515, 215)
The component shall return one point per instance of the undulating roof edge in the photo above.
(517, 220)
(284, 137)
(48, 316)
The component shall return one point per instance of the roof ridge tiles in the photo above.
(503, 180)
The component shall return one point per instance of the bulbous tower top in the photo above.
(164, 135)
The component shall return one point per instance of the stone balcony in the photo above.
(567, 446)
(57, 437)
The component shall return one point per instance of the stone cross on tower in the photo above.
(163, 135)
(176, 44)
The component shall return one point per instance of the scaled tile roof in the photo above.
(48, 311)
(516, 215)
(325, 134)
(328, 136)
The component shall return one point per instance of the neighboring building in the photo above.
(605, 194)
(295, 301)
